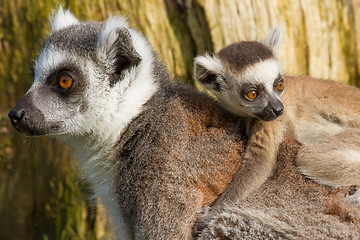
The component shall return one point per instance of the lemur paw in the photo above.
(217, 223)
(205, 216)
(202, 221)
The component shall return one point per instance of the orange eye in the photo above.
(252, 95)
(65, 82)
(280, 86)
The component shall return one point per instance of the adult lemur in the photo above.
(148, 146)
(155, 152)
(323, 115)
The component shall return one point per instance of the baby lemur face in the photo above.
(245, 77)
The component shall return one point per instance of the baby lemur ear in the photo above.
(61, 19)
(275, 36)
(115, 49)
(208, 72)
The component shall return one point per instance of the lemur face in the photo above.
(81, 78)
(256, 91)
(245, 77)
(58, 96)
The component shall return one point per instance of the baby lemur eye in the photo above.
(65, 81)
(280, 85)
(252, 95)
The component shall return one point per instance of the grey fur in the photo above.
(29, 124)
(159, 189)
(83, 43)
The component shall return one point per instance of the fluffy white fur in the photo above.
(106, 52)
(212, 63)
(263, 72)
(47, 60)
(274, 39)
(130, 101)
(62, 19)
(95, 139)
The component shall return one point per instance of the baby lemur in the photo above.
(323, 115)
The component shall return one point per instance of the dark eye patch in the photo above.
(73, 72)
(68, 76)
(259, 89)
(277, 80)
(279, 83)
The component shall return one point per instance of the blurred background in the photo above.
(42, 195)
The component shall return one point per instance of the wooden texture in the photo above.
(40, 194)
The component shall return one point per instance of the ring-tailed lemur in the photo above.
(247, 80)
(148, 146)
(155, 152)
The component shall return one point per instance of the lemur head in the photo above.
(245, 77)
(89, 78)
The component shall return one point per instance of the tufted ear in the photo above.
(62, 19)
(275, 36)
(208, 72)
(115, 49)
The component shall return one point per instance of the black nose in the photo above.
(278, 111)
(16, 116)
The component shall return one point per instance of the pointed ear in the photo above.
(62, 19)
(208, 72)
(275, 36)
(115, 49)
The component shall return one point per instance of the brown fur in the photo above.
(296, 207)
(241, 55)
(194, 155)
(325, 116)
(196, 148)
(292, 198)
(315, 110)
(334, 102)
(259, 161)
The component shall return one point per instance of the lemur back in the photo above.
(324, 116)
(167, 116)
(317, 109)
(247, 80)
